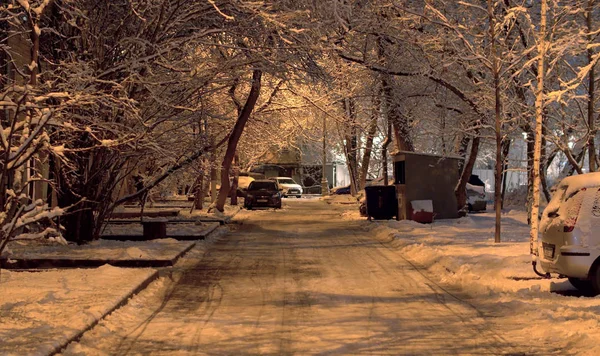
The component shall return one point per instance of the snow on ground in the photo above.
(340, 199)
(110, 250)
(498, 277)
(39, 311)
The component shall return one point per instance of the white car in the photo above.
(288, 186)
(243, 183)
(570, 230)
(476, 197)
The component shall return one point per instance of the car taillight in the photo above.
(573, 211)
(568, 228)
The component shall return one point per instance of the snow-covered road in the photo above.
(297, 281)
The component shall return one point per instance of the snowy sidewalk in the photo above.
(44, 309)
(40, 313)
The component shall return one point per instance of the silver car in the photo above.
(570, 229)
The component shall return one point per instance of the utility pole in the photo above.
(324, 184)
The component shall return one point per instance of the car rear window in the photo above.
(589, 214)
(569, 209)
(262, 186)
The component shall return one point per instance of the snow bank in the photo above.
(461, 254)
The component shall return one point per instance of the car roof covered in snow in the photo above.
(580, 181)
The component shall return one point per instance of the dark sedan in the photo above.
(263, 193)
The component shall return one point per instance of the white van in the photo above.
(570, 230)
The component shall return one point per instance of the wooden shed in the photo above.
(419, 176)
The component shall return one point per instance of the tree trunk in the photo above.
(350, 145)
(234, 138)
(79, 224)
(543, 167)
(384, 150)
(199, 191)
(236, 176)
(575, 162)
(35, 47)
(370, 136)
(537, 153)
(530, 149)
(461, 188)
(505, 152)
(398, 120)
(591, 89)
(401, 132)
(462, 146)
(497, 122)
(213, 176)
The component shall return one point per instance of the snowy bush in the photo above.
(23, 139)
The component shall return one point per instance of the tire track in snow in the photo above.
(441, 293)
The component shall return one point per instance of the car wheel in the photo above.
(595, 278)
(298, 196)
(583, 285)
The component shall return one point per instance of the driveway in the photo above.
(296, 281)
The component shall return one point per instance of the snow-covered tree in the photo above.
(26, 112)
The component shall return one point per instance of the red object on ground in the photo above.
(423, 217)
(421, 211)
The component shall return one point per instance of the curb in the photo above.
(200, 236)
(119, 304)
(47, 263)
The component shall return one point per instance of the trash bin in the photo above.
(382, 203)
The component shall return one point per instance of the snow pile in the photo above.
(462, 255)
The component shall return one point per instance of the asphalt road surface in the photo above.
(296, 281)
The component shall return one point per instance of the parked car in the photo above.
(263, 192)
(289, 186)
(570, 230)
(476, 198)
(243, 183)
(345, 189)
(377, 181)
